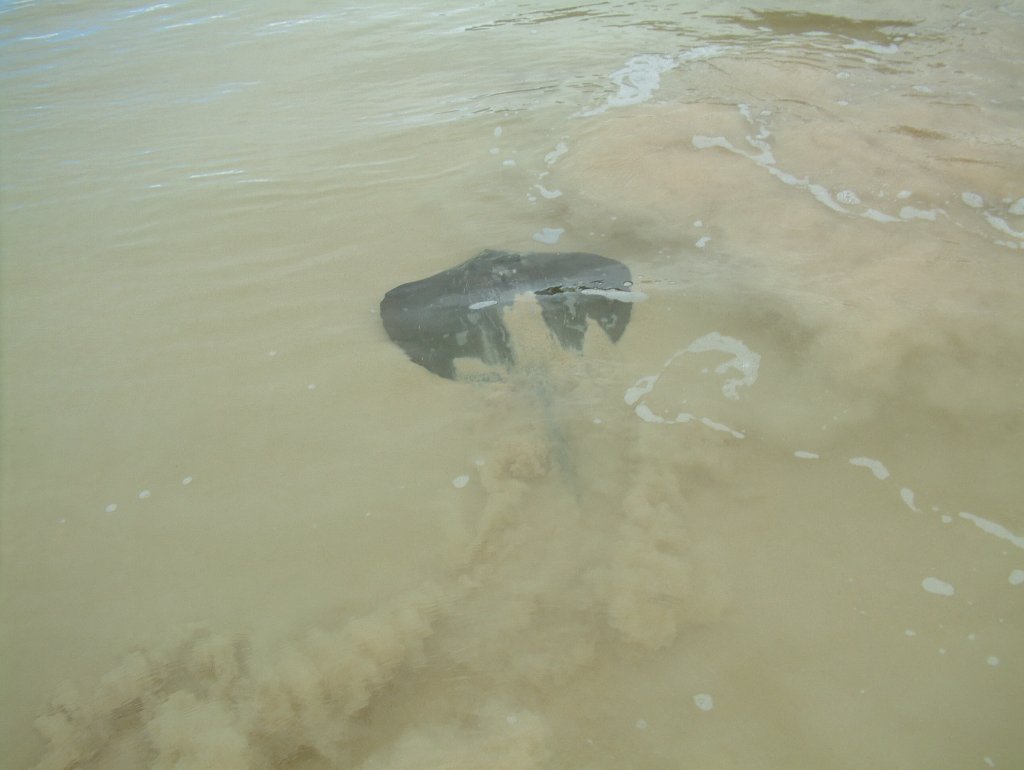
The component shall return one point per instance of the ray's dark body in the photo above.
(458, 313)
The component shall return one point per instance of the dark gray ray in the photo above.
(459, 313)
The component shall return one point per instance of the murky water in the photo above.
(779, 524)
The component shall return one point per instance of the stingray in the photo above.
(459, 313)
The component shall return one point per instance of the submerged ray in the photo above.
(459, 313)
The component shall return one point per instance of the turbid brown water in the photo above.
(240, 528)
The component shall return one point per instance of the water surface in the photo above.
(778, 524)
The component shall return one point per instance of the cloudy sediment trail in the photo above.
(241, 529)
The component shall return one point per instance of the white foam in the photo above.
(641, 388)
(546, 193)
(938, 587)
(909, 212)
(186, 481)
(509, 162)
(703, 701)
(1016, 577)
(497, 131)
(765, 158)
(720, 427)
(875, 466)
(111, 508)
(908, 498)
(617, 294)
(644, 413)
(146, 9)
(864, 45)
(744, 360)
(878, 216)
(994, 529)
(806, 455)
(549, 235)
(701, 52)
(1017, 208)
(636, 82)
(1001, 225)
(552, 157)
(822, 194)
(701, 142)
(311, 386)
(145, 493)
(973, 200)
(992, 660)
(229, 172)
(482, 304)
(460, 481)
(703, 242)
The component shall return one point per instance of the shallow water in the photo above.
(778, 525)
